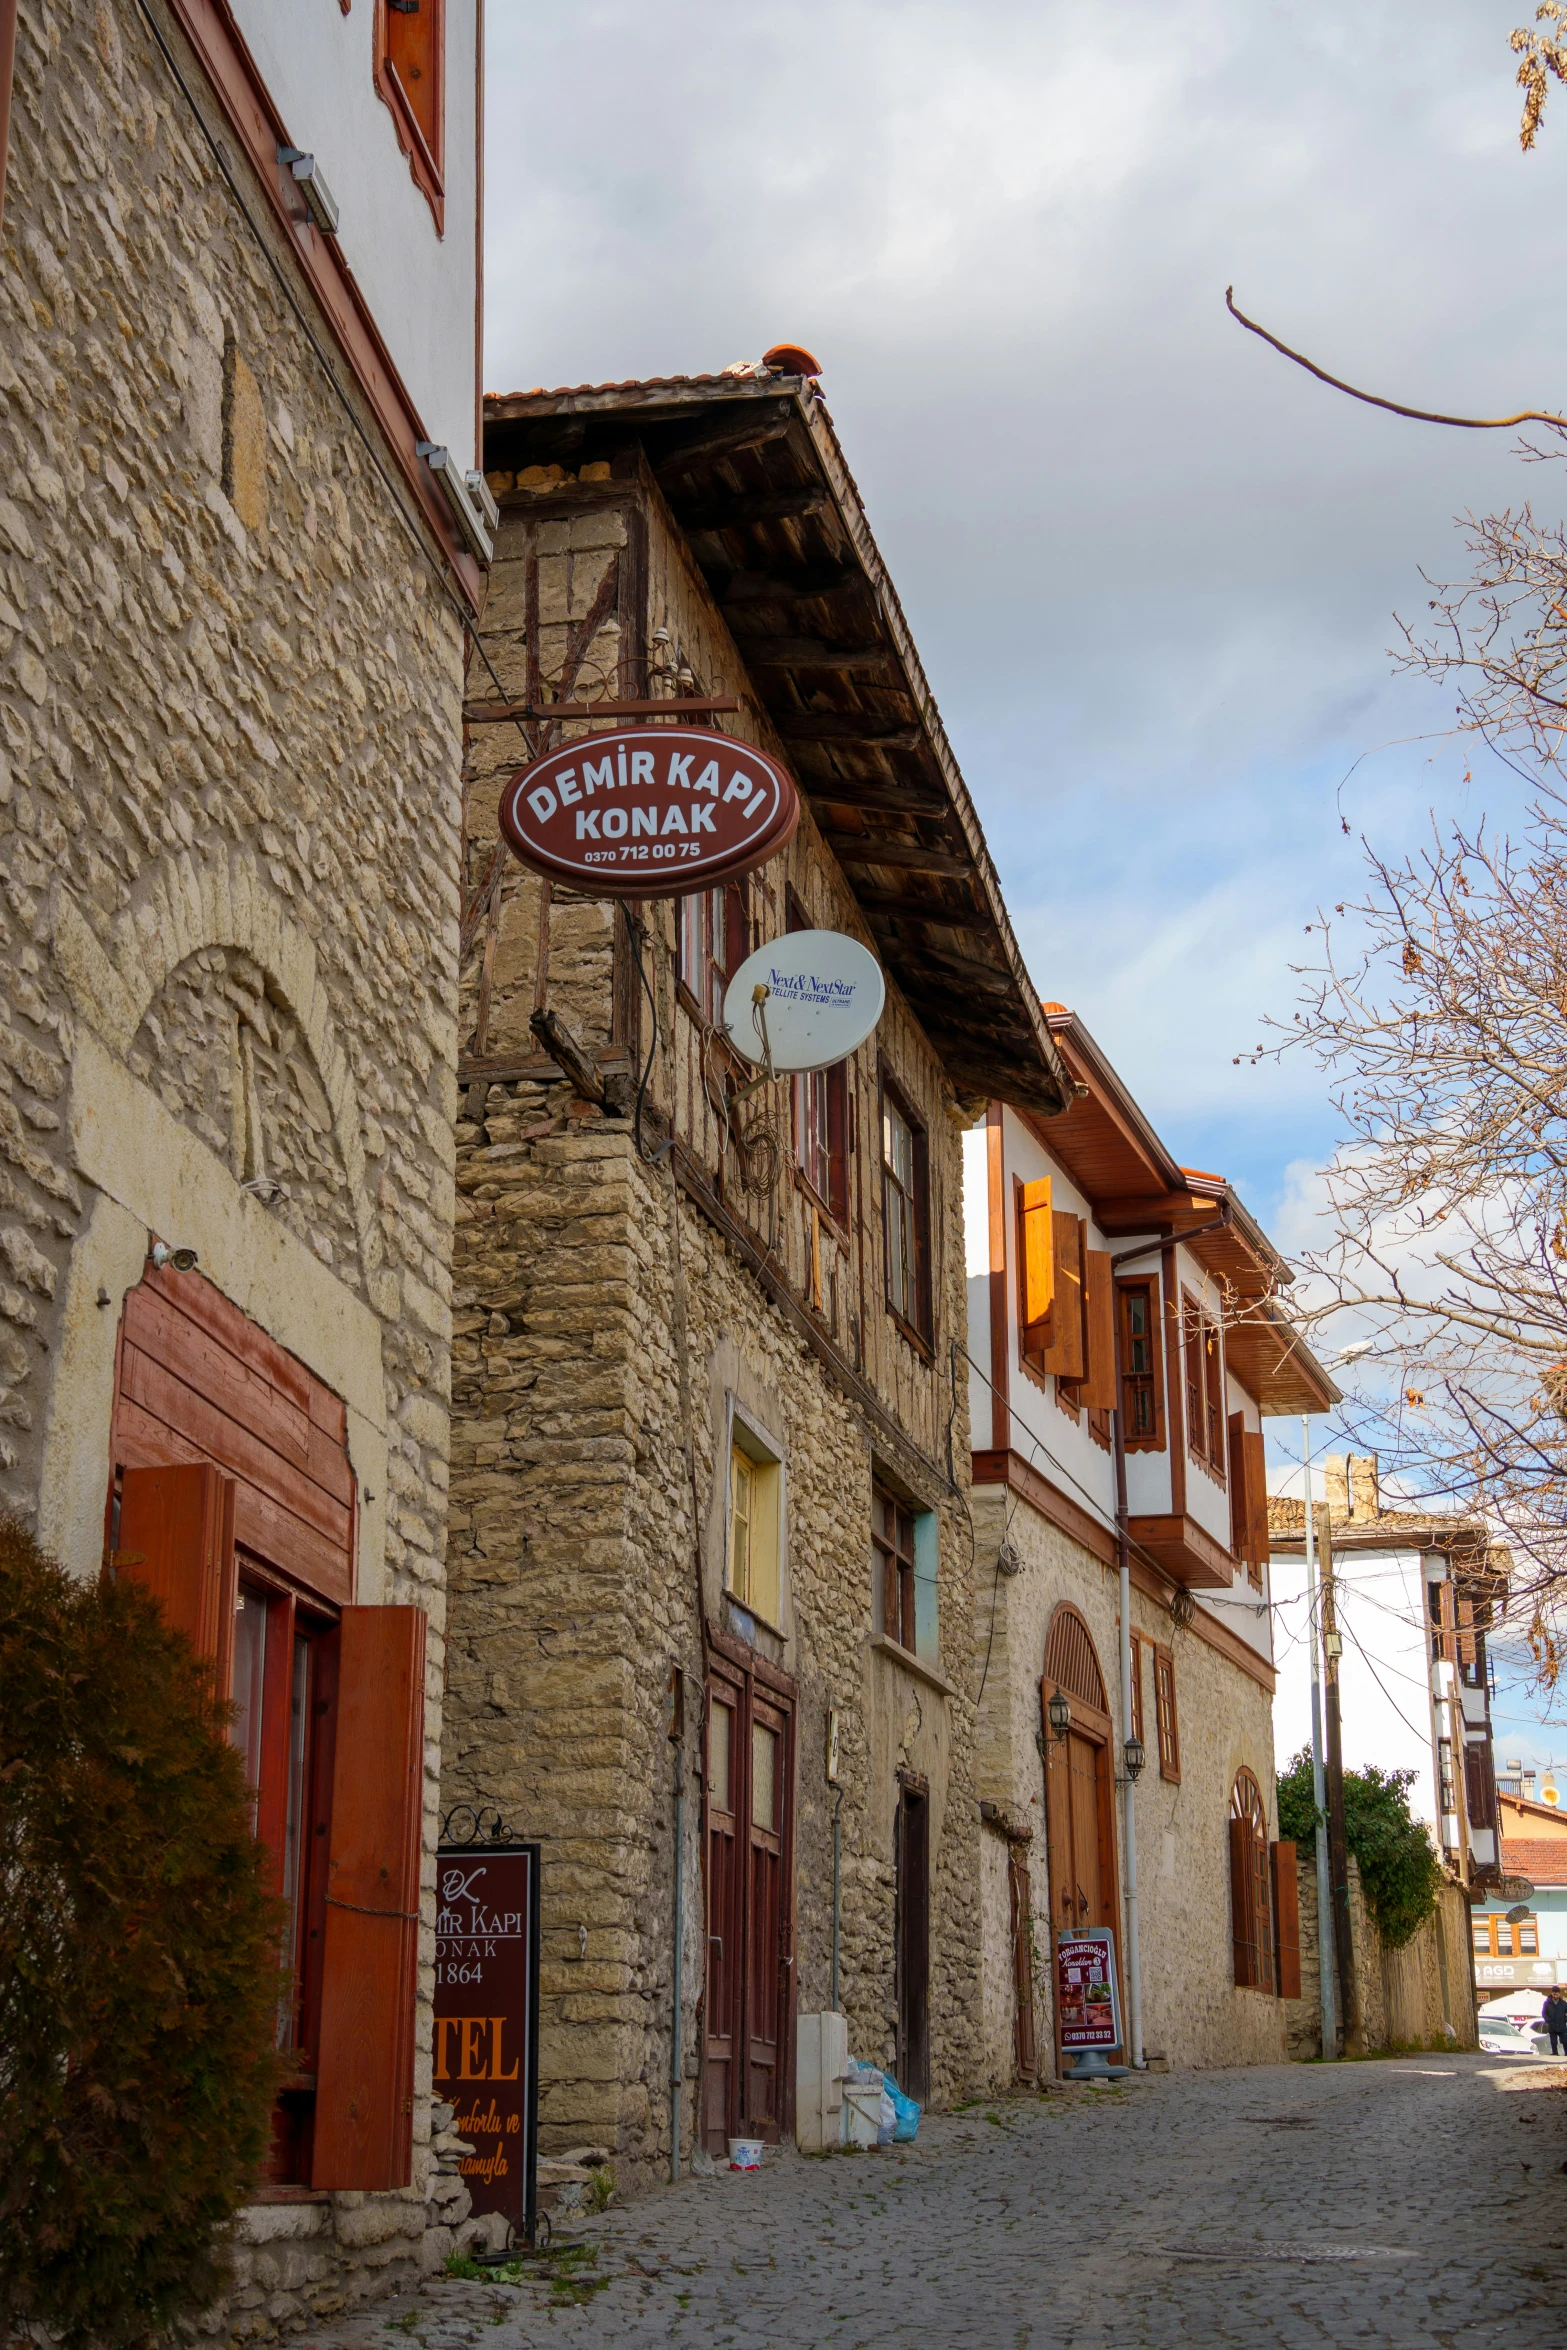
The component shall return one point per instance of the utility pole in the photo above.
(1338, 1836)
(1327, 1940)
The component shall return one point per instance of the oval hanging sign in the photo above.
(805, 1001)
(649, 811)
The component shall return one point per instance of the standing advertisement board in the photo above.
(487, 2020)
(1088, 2004)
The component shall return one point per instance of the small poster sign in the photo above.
(487, 2019)
(1088, 2006)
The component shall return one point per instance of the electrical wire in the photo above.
(1346, 1626)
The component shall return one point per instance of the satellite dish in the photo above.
(823, 996)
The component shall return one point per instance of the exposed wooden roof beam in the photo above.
(864, 848)
(754, 506)
(854, 730)
(936, 913)
(809, 652)
(726, 440)
(765, 587)
(893, 799)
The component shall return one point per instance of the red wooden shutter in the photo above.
(177, 1537)
(1286, 1912)
(415, 50)
(1257, 1495)
(1243, 1921)
(1065, 1353)
(1242, 1514)
(364, 2081)
(1098, 1391)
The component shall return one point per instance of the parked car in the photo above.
(1511, 2026)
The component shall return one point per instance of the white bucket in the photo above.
(745, 2153)
(861, 2112)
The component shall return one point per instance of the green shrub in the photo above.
(1297, 1804)
(1400, 1874)
(139, 1979)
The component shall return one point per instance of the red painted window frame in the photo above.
(401, 36)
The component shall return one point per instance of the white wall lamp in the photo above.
(320, 203)
(468, 494)
(177, 1260)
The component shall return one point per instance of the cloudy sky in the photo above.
(1151, 568)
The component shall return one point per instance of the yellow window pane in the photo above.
(742, 1474)
(764, 1776)
(720, 1721)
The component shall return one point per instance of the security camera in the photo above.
(182, 1260)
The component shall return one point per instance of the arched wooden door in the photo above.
(1079, 1786)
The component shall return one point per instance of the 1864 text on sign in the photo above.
(650, 811)
(487, 2019)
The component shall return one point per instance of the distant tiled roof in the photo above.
(1532, 1810)
(632, 383)
(1542, 1859)
(1287, 1520)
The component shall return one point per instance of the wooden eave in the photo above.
(1135, 1187)
(756, 481)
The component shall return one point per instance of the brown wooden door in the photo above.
(768, 1957)
(1084, 1894)
(1021, 1901)
(1079, 1786)
(749, 1800)
(913, 1941)
(725, 1941)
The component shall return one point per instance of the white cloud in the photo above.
(1151, 567)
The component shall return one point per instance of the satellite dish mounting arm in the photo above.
(759, 995)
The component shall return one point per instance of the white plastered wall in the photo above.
(422, 288)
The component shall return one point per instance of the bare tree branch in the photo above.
(1374, 399)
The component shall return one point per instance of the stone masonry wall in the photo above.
(1191, 2010)
(229, 808)
(1420, 1996)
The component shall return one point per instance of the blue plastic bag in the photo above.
(907, 2111)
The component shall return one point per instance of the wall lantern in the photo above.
(183, 1260)
(1135, 1755)
(1060, 1713)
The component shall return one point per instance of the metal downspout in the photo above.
(675, 2053)
(1319, 1789)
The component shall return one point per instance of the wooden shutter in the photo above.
(1036, 1267)
(177, 1537)
(1065, 1353)
(1466, 1633)
(365, 2072)
(1242, 1514)
(415, 50)
(1449, 1622)
(1256, 1456)
(1286, 1912)
(1243, 1903)
(1477, 1788)
(1098, 1390)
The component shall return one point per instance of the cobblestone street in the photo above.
(1414, 2202)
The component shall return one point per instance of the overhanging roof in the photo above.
(1135, 1185)
(753, 475)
